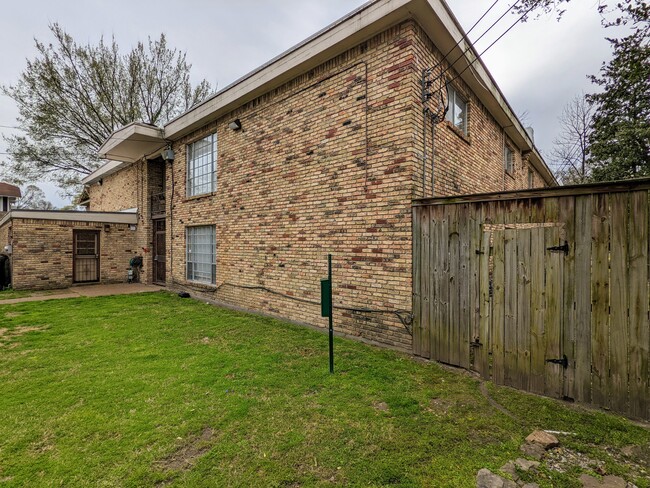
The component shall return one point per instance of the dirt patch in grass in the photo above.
(13, 315)
(186, 456)
(8, 336)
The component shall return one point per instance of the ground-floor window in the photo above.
(201, 254)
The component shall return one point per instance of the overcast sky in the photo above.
(540, 65)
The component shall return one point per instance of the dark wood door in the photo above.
(159, 251)
(85, 262)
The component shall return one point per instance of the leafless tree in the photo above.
(570, 154)
(33, 199)
(72, 96)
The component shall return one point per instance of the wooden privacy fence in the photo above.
(542, 290)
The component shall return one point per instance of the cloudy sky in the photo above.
(540, 65)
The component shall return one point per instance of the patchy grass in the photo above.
(152, 389)
(9, 294)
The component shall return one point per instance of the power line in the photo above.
(494, 42)
(465, 37)
(492, 26)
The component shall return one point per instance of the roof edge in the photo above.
(72, 216)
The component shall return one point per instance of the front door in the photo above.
(159, 251)
(85, 262)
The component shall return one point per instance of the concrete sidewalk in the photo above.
(86, 291)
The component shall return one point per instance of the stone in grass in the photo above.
(525, 464)
(532, 449)
(608, 482)
(487, 479)
(510, 468)
(545, 439)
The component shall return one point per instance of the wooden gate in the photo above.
(542, 290)
(85, 262)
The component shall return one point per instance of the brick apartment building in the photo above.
(321, 150)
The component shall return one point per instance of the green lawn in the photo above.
(145, 389)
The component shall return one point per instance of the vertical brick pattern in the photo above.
(43, 252)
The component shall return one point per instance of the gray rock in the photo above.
(525, 464)
(607, 482)
(509, 468)
(487, 479)
(547, 440)
(532, 449)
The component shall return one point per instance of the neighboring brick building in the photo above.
(320, 150)
(55, 249)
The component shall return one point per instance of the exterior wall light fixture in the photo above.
(235, 125)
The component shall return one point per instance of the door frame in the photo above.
(155, 278)
(75, 234)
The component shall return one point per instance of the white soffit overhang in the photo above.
(125, 146)
(125, 217)
(131, 142)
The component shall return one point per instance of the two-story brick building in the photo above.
(321, 150)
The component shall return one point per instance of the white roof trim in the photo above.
(374, 17)
(126, 217)
(125, 146)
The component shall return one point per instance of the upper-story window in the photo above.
(202, 166)
(508, 159)
(457, 113)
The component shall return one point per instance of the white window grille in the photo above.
(202, 166)
(508, 159)
(201, 254)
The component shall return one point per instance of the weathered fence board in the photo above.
(545, 291)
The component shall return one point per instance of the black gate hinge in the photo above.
(564, 248)
(564, 361)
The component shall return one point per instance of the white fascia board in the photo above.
(370, 19)
(434, 16)
(106, 169)
(73, 216)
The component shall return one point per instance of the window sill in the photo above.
(200, 284)
(199, 197)
(511, 174)
(458, 132)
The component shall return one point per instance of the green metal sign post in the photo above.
(327, 308)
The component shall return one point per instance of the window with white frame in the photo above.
(508, 159)
(457, 113)
(202, 166)
(201, 254)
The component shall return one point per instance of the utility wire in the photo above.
(493, 43)
(469, 48)
(465, 37)
(404, 316)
